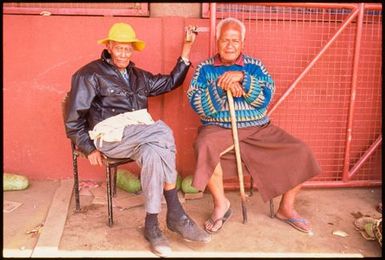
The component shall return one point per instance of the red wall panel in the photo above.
(42, 52)
(40, 55)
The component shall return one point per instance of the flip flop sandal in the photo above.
(293, 222)
(366, 225)
(378, 231)
(225, 217)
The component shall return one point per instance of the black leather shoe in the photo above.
(188, 229)
(159, 243)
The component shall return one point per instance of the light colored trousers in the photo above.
(153, 148)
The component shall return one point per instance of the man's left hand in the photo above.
(227, 79)
(236, 89)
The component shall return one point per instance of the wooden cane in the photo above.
(237, 154)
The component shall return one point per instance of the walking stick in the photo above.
(237, 154)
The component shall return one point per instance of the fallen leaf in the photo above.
(357, 214)
(340, 233)
(35, 230)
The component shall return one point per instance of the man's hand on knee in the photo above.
(95, 158)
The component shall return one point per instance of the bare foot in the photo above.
(212, 224)
(294, 219)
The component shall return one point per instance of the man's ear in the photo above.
(108, 47)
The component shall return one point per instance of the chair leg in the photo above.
(114, 172)
(271, 201)
(109, 196)
(76, 179)
(251, 186)
(271, 208)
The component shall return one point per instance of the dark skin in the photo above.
(120, 55)
(230, 46)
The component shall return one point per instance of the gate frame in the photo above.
(357, 11)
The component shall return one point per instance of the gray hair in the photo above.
(233, 21)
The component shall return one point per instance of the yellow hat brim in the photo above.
(136, 43)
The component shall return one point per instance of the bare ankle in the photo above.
(221, 204)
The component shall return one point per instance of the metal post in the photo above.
(342, 184)
(345, 174)
(366, 155)
(213, 19)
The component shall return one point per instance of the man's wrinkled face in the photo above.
(120, 53)
(230, 43)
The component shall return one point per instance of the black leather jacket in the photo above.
(99, 91)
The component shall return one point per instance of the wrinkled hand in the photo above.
(232, 80)
(95, 158)
(228, 78)
(236, 89)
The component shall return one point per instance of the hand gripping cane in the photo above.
(237, 154)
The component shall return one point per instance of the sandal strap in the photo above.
(296, 220)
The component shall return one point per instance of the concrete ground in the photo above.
(46, 225)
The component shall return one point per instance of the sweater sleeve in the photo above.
(204, 96)
(258, 85)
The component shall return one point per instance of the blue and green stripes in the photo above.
(210, 102)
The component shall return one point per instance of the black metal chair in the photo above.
(111, 165)
(251, 193)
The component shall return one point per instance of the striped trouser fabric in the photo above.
(153, 148)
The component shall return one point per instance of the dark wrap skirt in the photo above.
(276, 160)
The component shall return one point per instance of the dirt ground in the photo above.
(327, 209)
(22, 225)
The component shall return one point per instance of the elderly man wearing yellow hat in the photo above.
(107, 113)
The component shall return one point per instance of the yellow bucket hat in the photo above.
(123, 32)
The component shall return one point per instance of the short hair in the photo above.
(233, 21)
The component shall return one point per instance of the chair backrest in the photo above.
(64, 105)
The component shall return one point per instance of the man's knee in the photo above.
(202, 144)
(148, 154)
(166, 132)
(218, 170)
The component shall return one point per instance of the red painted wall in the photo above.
(42, 52)
(40, 56)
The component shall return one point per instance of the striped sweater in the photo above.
(210, 101)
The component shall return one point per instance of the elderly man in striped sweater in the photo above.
(278, 162)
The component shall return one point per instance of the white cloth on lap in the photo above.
(111, 129)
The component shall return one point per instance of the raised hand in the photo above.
(189, 41)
